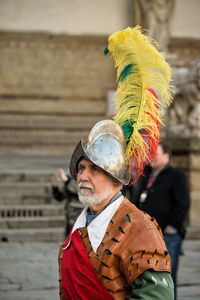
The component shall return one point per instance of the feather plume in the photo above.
(143, 89)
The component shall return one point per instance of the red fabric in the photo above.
(154, 142)
(79, 279)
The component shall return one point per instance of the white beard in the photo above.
(89, 198)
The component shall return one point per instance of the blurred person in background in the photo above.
(64, 188)
(163, 193)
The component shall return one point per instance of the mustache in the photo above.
(85, 185)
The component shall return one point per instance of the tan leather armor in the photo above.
(132, 244)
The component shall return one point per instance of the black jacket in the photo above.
(168, 198)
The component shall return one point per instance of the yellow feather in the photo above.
(134, 100)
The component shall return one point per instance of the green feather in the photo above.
(127, 128)
(106, 51)
(128, 69)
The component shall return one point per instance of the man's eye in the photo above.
(80, 169)
(94, 168)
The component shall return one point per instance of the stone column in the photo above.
(186, 156)
(155, 16)
(194, 179)
(183, 131)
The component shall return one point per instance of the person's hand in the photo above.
(170, 230)
(53, 181)
(62, 176)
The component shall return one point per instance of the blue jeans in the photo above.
(173, 243)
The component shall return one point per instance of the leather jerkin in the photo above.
(132, 244)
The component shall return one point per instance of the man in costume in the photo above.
(114, 250)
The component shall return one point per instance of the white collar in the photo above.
(97, 228)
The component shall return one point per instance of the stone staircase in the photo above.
(46, 106)
(27, 210)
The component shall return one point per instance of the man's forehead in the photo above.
(85, 162)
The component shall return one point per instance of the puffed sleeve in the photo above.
(152, 285)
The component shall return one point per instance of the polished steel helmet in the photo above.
(106, 149)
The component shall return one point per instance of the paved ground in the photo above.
(29, 271)
(189, 271)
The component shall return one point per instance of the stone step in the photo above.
(25, 189)
(41, 136)
(24, 176)
(32, 222)
(24, 193)
(62, 149)
(193, 233)
(24, 200)
(42, 121)
(32, 235)
(27, 165)
(19, 211)
(63, 106)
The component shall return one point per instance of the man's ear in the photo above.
(167, 156)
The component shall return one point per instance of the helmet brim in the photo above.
(76, 157)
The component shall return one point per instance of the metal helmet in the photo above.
(106, 149)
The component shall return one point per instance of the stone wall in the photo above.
(186, 49)
(52, 90)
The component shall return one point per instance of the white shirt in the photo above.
(97, 228)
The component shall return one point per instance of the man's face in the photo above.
(160, 160)
(94, 185)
